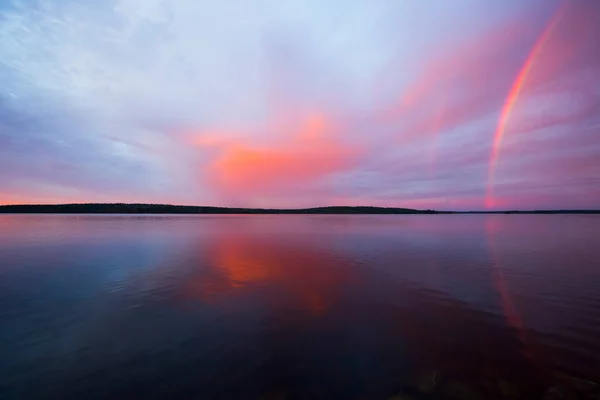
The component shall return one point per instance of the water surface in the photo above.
(296, 307)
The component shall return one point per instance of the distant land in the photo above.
(122, 208)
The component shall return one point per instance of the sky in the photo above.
(453, 105)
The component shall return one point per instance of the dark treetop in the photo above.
(121, 208)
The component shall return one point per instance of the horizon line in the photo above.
(484, 211)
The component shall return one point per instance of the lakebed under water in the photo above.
(299, 306)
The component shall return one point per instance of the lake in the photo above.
(299, 306)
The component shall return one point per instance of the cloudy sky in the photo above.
(454, 104)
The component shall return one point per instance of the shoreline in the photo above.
(134, 208)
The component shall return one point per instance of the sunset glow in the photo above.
(301, 104)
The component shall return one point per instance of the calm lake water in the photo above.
(297, 307)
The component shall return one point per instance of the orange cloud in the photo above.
(305, 154)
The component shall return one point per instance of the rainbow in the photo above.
(511, 100)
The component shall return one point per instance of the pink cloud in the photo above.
(300, 157)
